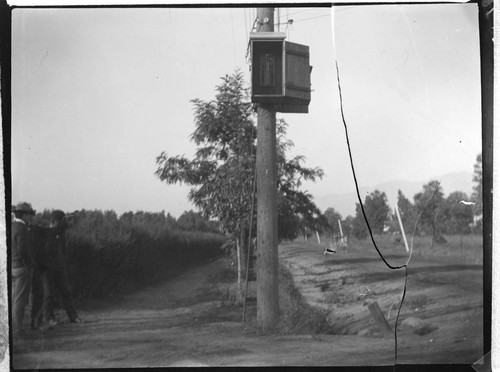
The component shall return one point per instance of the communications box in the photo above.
(281, 75)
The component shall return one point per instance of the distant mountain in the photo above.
(345, 204)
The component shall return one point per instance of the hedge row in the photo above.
(106, 254)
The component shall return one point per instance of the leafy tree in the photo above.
(332, 217)
(477, 194)
(432, 209)
(152, 224)
(222, 171)
(170, 221)
(377, 211)
(457, 216)
(297, 213)
(347, 225)
(359, 229)
(194, 221)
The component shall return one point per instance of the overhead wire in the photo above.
(259, 24)
(287, 29)
(232, 36)
(248, 38)
(278, 11)
(306, 19)
(307, 10)
(246, 23)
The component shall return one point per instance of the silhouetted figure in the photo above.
(51, 277)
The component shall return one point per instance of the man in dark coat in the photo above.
(25, 237)
(21, 261)
(50, 276)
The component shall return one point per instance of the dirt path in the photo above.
(441, 317)
(188, 322)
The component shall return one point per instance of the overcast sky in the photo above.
(97, 94)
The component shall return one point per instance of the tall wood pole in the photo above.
(267, 203)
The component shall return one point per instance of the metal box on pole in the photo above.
(281, 75)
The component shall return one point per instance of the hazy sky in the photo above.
(97, 94)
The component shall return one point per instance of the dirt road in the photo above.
(441, 320)
(190, 321)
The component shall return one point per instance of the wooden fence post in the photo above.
(380, 318)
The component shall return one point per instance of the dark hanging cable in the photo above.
(368, 224)
(354, 175)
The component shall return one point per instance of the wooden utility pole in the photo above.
(267, 203)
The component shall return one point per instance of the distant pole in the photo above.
(402, 228)
(267, 203)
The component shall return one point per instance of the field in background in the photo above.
(465, 249)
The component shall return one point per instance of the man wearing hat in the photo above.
(22, 259)
(21, 263)
(50, 276)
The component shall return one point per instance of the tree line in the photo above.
(107, 253)
(458, 213)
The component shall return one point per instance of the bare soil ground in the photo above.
(191, 320)
(441, 319)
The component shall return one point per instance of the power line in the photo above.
(246, 24)
(307, 10)
(232, 35)
(287, 29)
(248, 39)
(259, 24)
(306, 19)
(341, 10)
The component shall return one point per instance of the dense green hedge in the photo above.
(106, 254)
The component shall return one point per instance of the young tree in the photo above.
(222, 171)
(457, 216)
(430, 203)
(332, 217)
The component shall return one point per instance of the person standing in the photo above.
(21, 263)
(52, 277)
(41, 283)
(25, 241)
